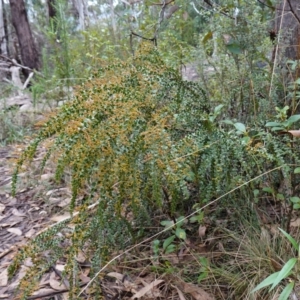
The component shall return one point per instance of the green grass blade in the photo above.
(285, 271)
(286, 291)
(268, 281)
(290, 238)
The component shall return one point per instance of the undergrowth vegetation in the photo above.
(142, 143)
(196, 173)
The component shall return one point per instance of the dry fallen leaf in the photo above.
(47, 176)
(60, 218)
(65, 296)
(55, 284)
(28, 262)
(30, 233)
(116, 275)
(195, 291)
(60, 267)
(202, 231)
(64, 202)
(3, 278)
(2, 207)
(84, 279)
(180, 294)
(43, 292)
(16, 231)
(130, 286)
(295, 223)
(145, 290)
(15, 212)
(81, 257)
(53, 200)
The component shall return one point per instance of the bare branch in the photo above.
(16, 64)
(27, 80)
(293, 11)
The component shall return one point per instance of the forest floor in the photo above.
(21, 217)
(40, 202)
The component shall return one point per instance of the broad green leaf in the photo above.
(246, 140)
(193, 219)
(229, 122)
(203, 261)
(295, 199)
(277, 128)
(218, 108)
(268, 281)
(240, 126)
(285, 271)
(280, 197)
(168, 241)
(202, 276)
(293, 119)
(255, 192)
(297, 170)
(180, 233)
(272, 124)
(296, 206)
(167, 223)
(270, 4)
(268, 190)
(170, 249)
(180, 221)
(156, 242)
(197, 218)
(286, 291)
(290, 238)
(234, 48)
(286, 124)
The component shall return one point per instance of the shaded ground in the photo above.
(35, 207)
(22, 216)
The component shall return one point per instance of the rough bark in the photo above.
(287, 25)
(29, 54)
(287, 29)
(112, 16)
(3, 36)
(82, 14)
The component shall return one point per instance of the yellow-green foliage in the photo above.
(123, 138)
(117, 129)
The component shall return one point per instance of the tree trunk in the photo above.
(82, 14)
(3, 36)
(113, 17)
(287, 25)
(51, 9)
(29, 54)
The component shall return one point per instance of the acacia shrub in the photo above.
(124, 138)
(139, 140)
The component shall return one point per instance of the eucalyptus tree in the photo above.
(3, 34)
(19, 18)
(287, 28)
